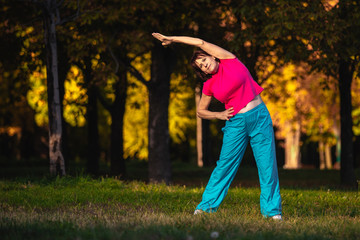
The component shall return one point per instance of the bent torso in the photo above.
(255, 102)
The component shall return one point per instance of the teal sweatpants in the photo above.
(254, 126)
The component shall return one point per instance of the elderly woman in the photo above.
(247, 120)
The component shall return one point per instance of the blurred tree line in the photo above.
(85, 81)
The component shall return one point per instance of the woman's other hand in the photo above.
(225, 115)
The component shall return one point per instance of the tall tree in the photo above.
(174, 18)
(57, 161)
(117, 112)
(90, 31)
(162, 61)
(337, 49)
(326, 34)
(16, 118)
(51, 18)
(347, 49)
(150, 18)
(92, 163)
(159, 90)
(121, 37)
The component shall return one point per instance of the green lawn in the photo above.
(314, 207)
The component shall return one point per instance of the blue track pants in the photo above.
(254, 126)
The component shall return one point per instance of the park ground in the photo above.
(35, 206)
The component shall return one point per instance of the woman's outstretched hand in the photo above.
(165, 40)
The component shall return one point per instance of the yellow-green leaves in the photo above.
(75, 97)
(37, 95)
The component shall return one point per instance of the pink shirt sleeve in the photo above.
(206, 89)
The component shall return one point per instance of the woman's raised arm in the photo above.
(210, 48)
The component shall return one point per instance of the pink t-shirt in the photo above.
(232, 85)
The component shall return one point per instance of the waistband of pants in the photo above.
(255, 109)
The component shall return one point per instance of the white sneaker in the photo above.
(277, 217)
(198, 211)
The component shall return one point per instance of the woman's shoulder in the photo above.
(230, 61)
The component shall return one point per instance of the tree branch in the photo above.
(127, 64)
(35, 2)
(137, 74)
(139, 54)
(267, 74)
(68, 19)
(60, 3)
(57, 13)
(114, 58)
(31, 1)
(101, 98)
(103, 101)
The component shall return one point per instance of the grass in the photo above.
(80, 207)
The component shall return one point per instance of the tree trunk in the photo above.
(328, 158)
(92, 163)
(325, 155)
(199, 147)
(57, 161)
(159, 138)
(336, 130)
(64, 68)
(208, 159)
(347, 173)
(292, 148)
(117, 123)
(322, 155)
(203, 138)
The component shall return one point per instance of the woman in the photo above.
(247, 120)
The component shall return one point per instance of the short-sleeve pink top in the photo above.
(232, 85)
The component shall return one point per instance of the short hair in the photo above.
(197, 54)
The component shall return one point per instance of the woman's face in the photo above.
(207, 64)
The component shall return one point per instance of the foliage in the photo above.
(355, 89)
(295, 95)
(135, 127)
(264, 35)
(13, 74)
(137, 111)
(37, 96)
(74, 98)
(282, 94)
(181, 109)
(247, 34)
